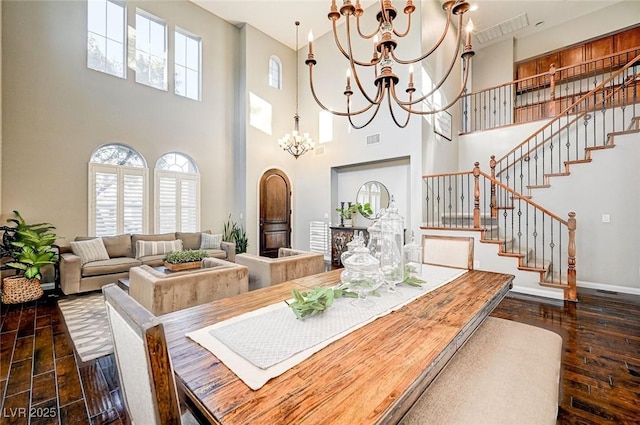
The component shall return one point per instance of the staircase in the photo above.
(499, 203)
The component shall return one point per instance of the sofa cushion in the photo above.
(210, 241)
(160, 237)
(118, 246)
(90, 250)
(190, 240)
(146, 248)
(112, 265)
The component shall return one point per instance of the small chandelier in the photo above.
(384, 57)
(296, 143)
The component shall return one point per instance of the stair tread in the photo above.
(578, 161)
(597, 148)
(557, 174)
(538, 186)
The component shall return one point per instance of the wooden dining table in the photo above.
(373, 375)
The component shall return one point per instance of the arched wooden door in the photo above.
(275, 212)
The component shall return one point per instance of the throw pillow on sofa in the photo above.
(210, 241)
(90, 250)
(146, 248)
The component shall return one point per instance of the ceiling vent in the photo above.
(319, 150)
(373, 139)
(503, 28)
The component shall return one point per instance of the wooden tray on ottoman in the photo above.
(183, 266)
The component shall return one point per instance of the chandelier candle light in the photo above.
(295, 142)
(384, 57)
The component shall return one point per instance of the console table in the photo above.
(340, 237)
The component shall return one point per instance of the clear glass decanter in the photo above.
(375, 237)
(361, 274)
(358, 239)
(392, 244)
(413, 259)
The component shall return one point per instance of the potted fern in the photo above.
(25, 248)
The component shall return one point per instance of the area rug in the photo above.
(86, 319)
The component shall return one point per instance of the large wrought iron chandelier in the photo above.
(296, 143)
(384, 57)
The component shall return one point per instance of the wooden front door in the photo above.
(275, 212)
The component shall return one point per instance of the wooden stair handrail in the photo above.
(575, 118)
(573, 105)
(522, 197)
(555, 71)
(571, 288)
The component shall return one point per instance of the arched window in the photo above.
(177, 194)
(118, 185)
(275, 72)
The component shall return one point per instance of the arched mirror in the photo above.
(376, 195)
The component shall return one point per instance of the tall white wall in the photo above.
(56, 111)
(620, 15)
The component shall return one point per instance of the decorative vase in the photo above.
(347, 222)
(391, 248)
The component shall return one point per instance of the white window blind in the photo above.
(177, 201)
(117, 200)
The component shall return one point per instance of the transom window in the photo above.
(151, 50)
(187, 66)
(118, 191)
(177, 194)
(105, 36)
(275, 72)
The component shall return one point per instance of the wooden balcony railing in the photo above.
(541, 96)
(568, 138)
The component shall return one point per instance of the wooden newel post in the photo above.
(570, 293)
(494, 200)
(476, 195)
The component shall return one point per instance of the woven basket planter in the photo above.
(19, 289)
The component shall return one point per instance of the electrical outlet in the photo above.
(606, 218)
(476, 264)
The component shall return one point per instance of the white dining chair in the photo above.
(448, 251)
(144, 367)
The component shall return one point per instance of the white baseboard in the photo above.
(556, 295)
(606, 287)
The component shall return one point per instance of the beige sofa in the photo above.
(290, 264)
(76, 277)
(161, 292)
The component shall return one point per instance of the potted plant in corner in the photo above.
(25, 248)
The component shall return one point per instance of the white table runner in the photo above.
(266, 342)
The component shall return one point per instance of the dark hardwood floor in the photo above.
(42, 382)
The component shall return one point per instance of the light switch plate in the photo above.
(606, 218)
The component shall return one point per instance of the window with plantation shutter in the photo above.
(177, 197)
(117, 191)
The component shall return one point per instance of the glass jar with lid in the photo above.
(391, 247)
(361, 274)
